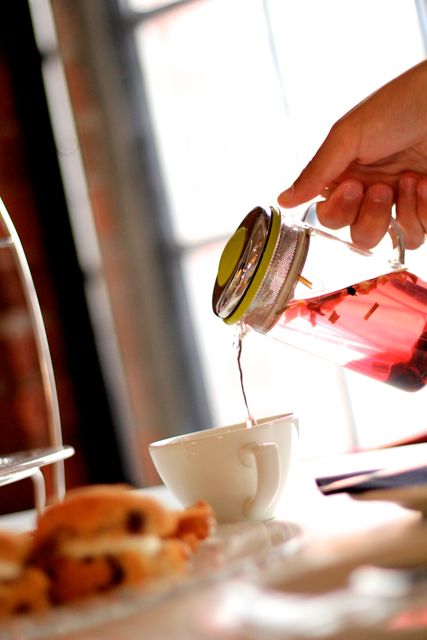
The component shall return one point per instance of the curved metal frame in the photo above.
(11, 239)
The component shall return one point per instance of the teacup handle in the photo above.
(267, 461)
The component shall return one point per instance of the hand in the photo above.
(373, 157)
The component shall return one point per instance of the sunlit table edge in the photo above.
(337, 509)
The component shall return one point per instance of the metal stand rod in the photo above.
(39, 487)
(48, 379)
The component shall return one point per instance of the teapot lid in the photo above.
(259, 268)
(244, 263)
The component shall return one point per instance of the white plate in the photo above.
(233, 551)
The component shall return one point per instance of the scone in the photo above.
(101, 537)
(23, 587)
(195, 523)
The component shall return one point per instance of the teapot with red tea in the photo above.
(308, 288)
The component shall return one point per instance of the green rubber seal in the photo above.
(263, 265)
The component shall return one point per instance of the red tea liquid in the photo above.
(377, 327)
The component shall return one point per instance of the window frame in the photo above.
(186, 391)
(169, 252)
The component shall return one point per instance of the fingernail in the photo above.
(379, 194)
(287, 195)
(407, 184)
(351, 190)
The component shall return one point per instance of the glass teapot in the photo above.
(314, 291)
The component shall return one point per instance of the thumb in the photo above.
(329, 162)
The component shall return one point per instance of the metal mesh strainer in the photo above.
(261, 275)
(280, 279)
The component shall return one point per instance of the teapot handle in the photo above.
(394, 231)
(398, 239)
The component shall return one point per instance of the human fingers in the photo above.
(374, 216)
(330, 161)
(342, 205)
(407, 214)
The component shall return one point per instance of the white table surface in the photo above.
(304, 504)
(338, 514)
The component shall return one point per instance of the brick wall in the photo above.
(22, 406)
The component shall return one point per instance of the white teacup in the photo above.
(242, 472)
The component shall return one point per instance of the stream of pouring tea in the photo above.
(242, 331)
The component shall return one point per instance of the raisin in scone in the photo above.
(101, 537)
(23, 588)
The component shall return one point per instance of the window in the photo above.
(240, 94)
